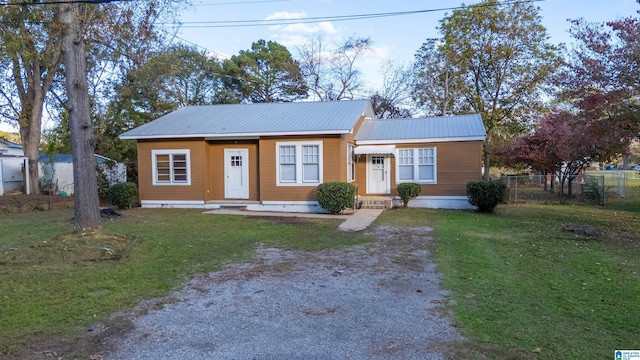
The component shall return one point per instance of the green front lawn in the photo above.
(50, 286)
(522, 287)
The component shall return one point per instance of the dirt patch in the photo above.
(21, 203)
(89, 247)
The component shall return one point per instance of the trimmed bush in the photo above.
(486, 195)
(336, 196)
(123, 195)
(408, 191)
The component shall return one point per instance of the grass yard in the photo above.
(53, 288)
(522, 287)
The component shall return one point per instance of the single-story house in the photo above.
(272, 156)
(12, 161)
(57, 176)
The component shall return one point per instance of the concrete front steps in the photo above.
(375, 202)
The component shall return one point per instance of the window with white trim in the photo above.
(351, 166)
(416, 165)
(171, 167)
(299, 163)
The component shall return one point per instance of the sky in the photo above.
(395, 38)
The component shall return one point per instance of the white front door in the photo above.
(378, 175)
(236, 173)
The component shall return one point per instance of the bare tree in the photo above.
(330, 72)
(392, 100)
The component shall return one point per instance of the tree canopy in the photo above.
(496, 58)
(265, 73)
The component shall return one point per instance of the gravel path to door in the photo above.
(377, 301)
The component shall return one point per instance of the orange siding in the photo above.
(269, 191)
(215, 190)
(172, 192)
(457, 163)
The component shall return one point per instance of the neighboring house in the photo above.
(58, 176)
(12, 161)
(272, 156)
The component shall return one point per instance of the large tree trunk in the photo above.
(31, 134)
(85, 185)
(487, 163)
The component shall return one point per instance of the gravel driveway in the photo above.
(376, 301)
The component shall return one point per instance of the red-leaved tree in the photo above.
(563, 145)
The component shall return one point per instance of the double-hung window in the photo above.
(351, 166)
(171, 167)
(416, 165)
(299, 163)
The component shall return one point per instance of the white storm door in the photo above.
(236, 173)
(378, 175)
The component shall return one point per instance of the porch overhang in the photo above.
(375, 150)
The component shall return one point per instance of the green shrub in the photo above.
(336, 196)
(593, 192)
(123, 195)
(408, 191)
(103, 183)
(486, 195)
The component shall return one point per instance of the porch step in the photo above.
(386, 203)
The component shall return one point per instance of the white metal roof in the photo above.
(428, 129)
(248, 120)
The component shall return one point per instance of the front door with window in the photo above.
(378, 180)
(236, 173)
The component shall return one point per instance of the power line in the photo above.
(274, 22)
(60, 2)
(239, 2)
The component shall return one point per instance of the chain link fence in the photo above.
(594, 187)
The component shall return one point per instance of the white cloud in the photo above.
(297, 33)
(286, 15)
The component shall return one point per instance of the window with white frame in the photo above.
(299, 163)
(351, 166)
(171, 167)
(416, 165)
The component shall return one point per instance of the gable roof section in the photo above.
(9, 144)
(251, 120)
(427, 129)
(68, 158)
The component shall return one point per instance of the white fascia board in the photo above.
(412, 141)
(235, 135)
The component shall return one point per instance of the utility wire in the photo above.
(61, 2)
(274, 22)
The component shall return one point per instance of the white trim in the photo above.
(351, 157)
(298, 165)
(387, 173)
(234, 135)
(416, 166)
(288, 206)
(177, 204)
(170, 152)
(437, 202)
(244, 152)
(412, 141)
